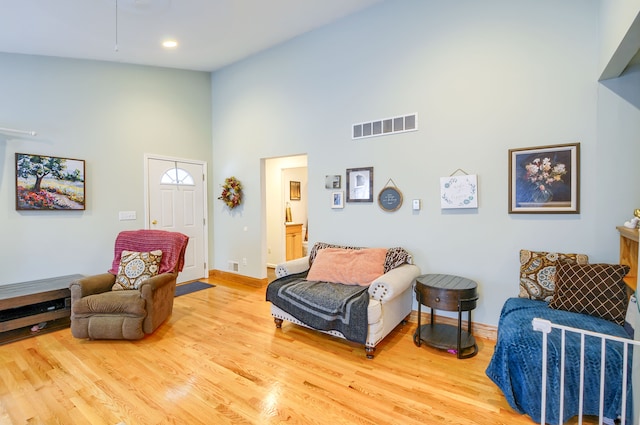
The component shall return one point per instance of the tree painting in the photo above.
(49, 183)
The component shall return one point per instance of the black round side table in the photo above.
(449, 293)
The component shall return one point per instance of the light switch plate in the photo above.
(126, 215)
(416, 204)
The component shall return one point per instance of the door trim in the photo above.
(205, 205)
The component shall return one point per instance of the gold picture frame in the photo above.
(294, 191)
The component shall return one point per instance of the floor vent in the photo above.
(385, 126)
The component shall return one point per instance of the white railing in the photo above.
(545, 326)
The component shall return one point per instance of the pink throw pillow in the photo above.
(348, 266)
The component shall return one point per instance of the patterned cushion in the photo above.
(538, 270)
(395, 256)
(594, 289)
(135, 268)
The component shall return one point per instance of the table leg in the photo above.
(459, 350)
(416, 336)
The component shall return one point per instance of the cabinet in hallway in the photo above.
(294, 241)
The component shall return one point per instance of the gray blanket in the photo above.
(323, 305)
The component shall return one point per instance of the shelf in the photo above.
(629, 233)
(629, 254)
(444, 337)
(23, 333)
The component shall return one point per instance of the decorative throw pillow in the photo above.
(538, 270)
(594, 289)
(348, 266)
(135, 268)
(396, 257)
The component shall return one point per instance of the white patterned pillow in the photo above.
(135, 268)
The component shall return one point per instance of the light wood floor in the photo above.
(220, 360)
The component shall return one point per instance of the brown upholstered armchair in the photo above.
(99, 312)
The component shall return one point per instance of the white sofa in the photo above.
(390, 300)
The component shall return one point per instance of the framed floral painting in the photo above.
(545, 179)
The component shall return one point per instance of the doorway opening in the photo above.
(286, 212)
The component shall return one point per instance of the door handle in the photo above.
(154, 222)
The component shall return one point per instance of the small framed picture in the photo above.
(337, 199)
(545, 179)
(294, 191)
(333, 182)
(360, 184)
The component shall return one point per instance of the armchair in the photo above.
(100, 312)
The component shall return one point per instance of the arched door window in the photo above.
(177, 176)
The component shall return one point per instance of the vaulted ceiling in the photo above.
(210, 33)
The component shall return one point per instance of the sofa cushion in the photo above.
(594, 289)
(538, 270)
(348, 266)
(111, 302)
(394, 257)
(135, 268)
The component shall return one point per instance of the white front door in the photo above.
(176, 195)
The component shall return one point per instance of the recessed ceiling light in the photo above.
(170, 44)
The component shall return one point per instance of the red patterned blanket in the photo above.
(172, 244)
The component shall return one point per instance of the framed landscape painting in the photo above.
(545, 179)
(49, 183)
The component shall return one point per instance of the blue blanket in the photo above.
(516, 365)
(323, 305)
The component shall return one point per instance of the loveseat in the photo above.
(355, 293)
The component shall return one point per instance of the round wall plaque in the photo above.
(390, 198)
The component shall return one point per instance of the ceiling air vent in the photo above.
(385, 126)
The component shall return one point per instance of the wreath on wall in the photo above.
(231, 192)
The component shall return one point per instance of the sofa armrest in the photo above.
(298, 265)
(149, 286)
(393, 282)
(159, 292)
(90, 285)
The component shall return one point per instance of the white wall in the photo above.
(483, 77)
(109, 115)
